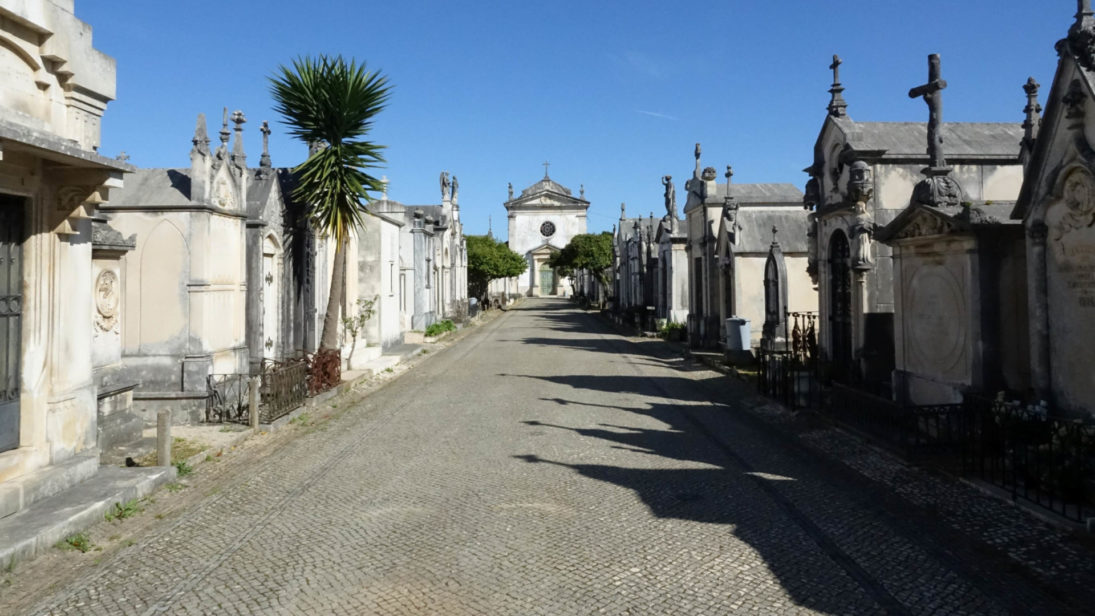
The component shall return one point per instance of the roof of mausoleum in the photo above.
(776, 194)
(964, 140)
(154, 187)
(648, 225)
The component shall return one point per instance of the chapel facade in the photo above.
(542, 219)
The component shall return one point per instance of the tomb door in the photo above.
(271, 299)
(547, 280)
(728, 289)
(11, 318)
(840, 306)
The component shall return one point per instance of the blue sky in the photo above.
(613, 94)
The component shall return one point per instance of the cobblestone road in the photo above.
(545, 465)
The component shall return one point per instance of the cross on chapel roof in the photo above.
(837, 104)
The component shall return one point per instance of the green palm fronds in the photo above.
(330, 103)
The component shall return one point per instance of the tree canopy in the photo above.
(588, 251)
(489, 259)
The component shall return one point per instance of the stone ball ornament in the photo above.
(547, 229)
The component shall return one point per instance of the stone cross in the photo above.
(837, 105)
(696, 173)
(264, 161)
(932, 92)
(546, 165)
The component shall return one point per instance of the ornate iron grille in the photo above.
(11, 318)
(228, 399)
(284, 388)
(840, 306)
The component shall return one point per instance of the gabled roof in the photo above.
(547, 193)
(751, 194)
(153, 187)
(961, 140)
(626, 229)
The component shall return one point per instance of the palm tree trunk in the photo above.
(329, 339)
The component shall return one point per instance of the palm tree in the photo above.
(330, 103)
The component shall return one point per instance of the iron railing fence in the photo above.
(925, 433)
(227, 400)
(790, 378)
(284, 388)
(1047, 461)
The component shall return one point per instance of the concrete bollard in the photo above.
(163, 438)
(253, 401)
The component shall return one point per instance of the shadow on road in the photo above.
(724, 490)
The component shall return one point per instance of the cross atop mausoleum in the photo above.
(932, 92)
(837, 104)
(546, 165)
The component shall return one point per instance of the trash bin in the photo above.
(737, 334)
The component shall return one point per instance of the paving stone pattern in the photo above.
(546, 465)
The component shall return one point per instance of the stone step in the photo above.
(40, 526)
(18, 494)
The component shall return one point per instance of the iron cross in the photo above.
(932, 94)
(546, 165)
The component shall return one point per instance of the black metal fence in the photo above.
(228, 399)
(933, 433)
(1047, 461)
(1044, 460)
(284, 388)
(789, 378)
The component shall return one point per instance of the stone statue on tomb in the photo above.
(455, 188)
(862, 232)
(444, 185)
(670, 200)
(860, 191)
(509, 186)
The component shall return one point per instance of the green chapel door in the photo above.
(547, 281)
(11, 317)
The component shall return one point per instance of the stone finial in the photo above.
(581, 191)
(201, 137)
(623, 210)
(238, 157)
(225, 134)
(837, 105)
(264, 161)
(509, 187)
(1080, 41)
(1033, 120)
(383, 184)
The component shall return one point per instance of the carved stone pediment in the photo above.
(924, 224)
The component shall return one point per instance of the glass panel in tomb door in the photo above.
(271, 300)
(11, 317)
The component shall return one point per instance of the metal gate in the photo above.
(11, 317)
